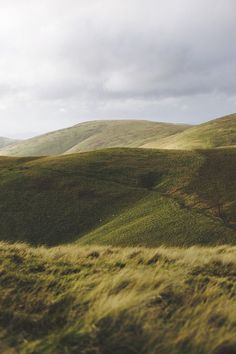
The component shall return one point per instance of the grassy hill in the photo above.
(89, 294)
(72, 299)
(217, 133)
(4, 142)
(95, 135)
(120, 197)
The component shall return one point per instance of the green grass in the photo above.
(88, 300)
(109, 284)
(102, 197)
(156, 221)
(95, 135)
(213, 134)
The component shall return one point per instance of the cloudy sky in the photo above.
(67, 61)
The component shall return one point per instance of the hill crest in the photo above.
(100, 134)
(217, 133)
(95, 135)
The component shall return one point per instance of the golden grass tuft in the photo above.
(93, 299)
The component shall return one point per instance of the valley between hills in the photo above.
(119, 237)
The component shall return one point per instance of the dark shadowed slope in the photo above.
(217, 133)
(95, 135)
(120, 197)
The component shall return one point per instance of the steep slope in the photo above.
(120, 197)
(217, 133)
(94, 135)
(4, 142)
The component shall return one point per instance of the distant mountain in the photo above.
(7, 142)
(95, 135)
(217, 133)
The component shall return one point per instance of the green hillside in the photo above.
(90, 136)
(89, 300)
(4, 142)
(217, 133)
(95, 135)
(120, 197)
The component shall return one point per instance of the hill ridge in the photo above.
(216, 133)
(94, 135)
(131, 133)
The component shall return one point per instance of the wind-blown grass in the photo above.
(72, 299)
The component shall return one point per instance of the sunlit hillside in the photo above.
(213, 134)
(95, 135)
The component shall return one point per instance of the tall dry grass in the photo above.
(74, 299)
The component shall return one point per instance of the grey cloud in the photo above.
(75, 60)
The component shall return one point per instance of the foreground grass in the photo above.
(93, 299)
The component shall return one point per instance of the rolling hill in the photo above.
(121, 197)
(94, 135)
(4, 142)
(93, 294)
(217, 133)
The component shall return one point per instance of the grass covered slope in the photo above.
(90, 136)
(95, 135)
(121, 197)
(217, 133)
(109, 300)
(4, 142)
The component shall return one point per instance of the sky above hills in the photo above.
(67, 61)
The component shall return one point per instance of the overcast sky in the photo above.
(67, 61)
